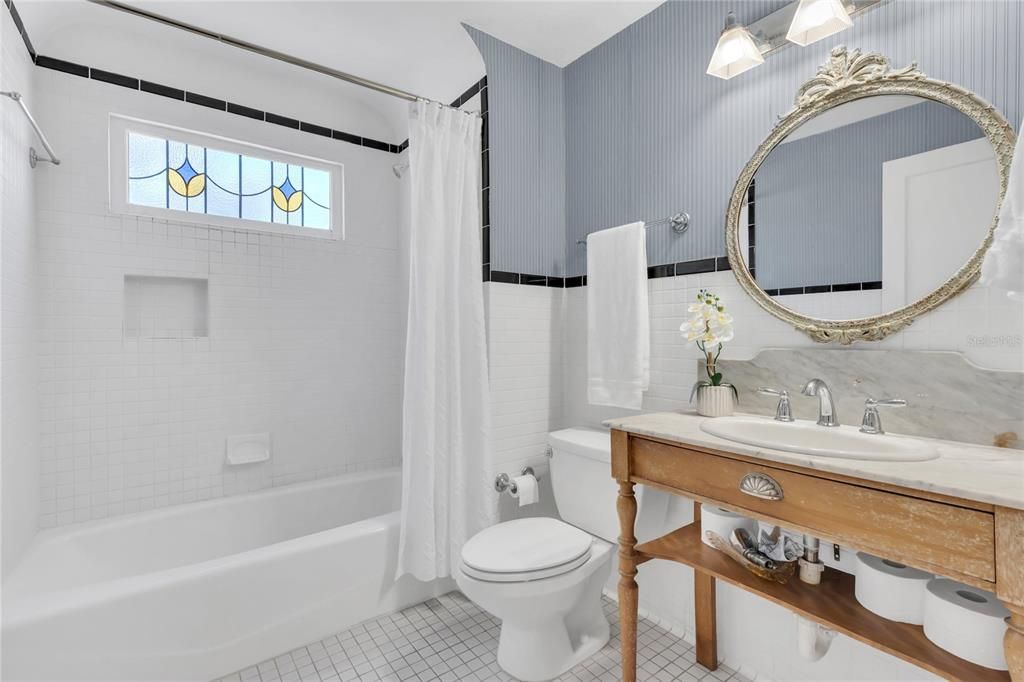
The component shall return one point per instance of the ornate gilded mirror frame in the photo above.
(845, 77)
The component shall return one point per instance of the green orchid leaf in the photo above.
(696, 385)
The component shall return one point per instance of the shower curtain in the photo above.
(446, 463)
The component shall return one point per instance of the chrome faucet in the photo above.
(826, 406)
(872, 421)
(783, 411)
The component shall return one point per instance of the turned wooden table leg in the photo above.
(1010, 584)
(1013, 642)
(628, 590)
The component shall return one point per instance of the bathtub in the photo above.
(200, 590)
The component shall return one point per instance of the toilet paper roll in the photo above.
(773, 544)
(890, 589)
(527, 491)
(966, 622)
(723, 522)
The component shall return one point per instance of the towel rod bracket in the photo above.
(680, 222)
(34, 158)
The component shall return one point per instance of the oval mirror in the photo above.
(872, 202)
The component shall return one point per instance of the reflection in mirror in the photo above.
(869, 207)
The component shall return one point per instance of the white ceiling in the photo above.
(416, 46)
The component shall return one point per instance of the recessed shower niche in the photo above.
(165, 307)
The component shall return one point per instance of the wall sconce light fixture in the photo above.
(802, 22)
(735, 52)
(817, 19)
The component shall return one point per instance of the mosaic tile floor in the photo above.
(450, 639)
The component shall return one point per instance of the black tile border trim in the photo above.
(212, 102)
(246, 111)
(690, 267)
(133, 83)
(61, 65)
(873, 285)
(285, 121)
(203, 100)
(174, 93)
(114, 79)
(485, 180)
(20, 25)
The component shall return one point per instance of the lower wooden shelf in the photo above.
(832, 603)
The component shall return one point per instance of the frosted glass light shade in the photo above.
(735, 53)
(817, 19)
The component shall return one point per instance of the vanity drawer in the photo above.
(888, 524)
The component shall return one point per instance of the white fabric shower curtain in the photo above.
(446, 463)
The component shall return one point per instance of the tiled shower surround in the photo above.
(18, 303)
(129, 424)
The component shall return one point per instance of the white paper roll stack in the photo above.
(723, 522)
(891, 589)
(966, 622)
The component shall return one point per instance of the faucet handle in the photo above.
(783, 411)
(885, 402)
(872, 421)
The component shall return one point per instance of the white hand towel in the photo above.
(618, 326)
(1004, 263)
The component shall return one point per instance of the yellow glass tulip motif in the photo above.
(286, 197)
(184, 180)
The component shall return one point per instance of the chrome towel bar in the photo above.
(680, 222)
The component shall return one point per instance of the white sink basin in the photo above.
(808, 438)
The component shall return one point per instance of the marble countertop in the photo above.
(973, 472)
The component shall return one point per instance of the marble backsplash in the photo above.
(949, 398)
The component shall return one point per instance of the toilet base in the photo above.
(547, 625)
(551, 649)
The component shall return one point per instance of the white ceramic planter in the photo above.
(715, 401)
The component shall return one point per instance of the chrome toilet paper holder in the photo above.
(504, 483)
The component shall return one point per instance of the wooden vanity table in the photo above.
(959, 515)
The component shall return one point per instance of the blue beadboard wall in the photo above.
(815, 227)
(526, 128)
(648, 133)
(635, 129)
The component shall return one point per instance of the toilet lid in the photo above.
(526, 546)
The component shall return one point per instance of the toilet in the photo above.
(543, 577)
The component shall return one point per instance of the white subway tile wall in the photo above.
(305, 336)
(17, 300)
(524, 335)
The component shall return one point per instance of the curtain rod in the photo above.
(266, 52)
(33, 158)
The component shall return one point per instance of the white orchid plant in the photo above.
(710, 327)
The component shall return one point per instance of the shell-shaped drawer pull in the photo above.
(761, 486)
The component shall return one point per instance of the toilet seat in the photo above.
(525, 549)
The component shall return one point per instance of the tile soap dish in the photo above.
(248, 448)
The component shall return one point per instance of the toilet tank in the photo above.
(586, 493)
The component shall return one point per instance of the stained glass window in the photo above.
(179, 176)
